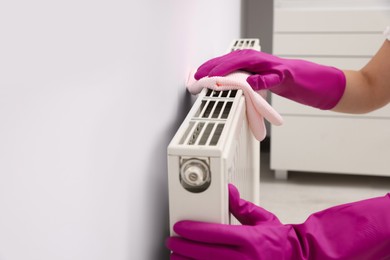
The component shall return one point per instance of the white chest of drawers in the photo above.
(324, 141)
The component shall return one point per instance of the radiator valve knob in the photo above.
(195, 175)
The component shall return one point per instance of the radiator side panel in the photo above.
(209, 206)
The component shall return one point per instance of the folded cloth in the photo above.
(257, 108)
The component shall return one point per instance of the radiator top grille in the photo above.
(241, 44)
(207, 124)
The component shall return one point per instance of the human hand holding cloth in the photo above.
(302, 81)
(359, 230)
(257, 107)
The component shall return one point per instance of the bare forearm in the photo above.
(361, 95)
(369, 88)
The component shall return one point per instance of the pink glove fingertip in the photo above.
(248, 213)
(234, 195)
(206, 67)
(199, 74)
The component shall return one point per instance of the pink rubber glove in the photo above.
(359, 230)
(305, 82)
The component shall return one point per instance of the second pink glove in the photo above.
(353, 231)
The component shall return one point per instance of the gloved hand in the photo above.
(305, 82)
(359, 230)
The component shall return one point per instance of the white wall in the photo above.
(91, 92)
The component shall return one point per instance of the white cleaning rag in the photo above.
(257, 108)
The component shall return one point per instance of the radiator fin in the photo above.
(200, 109)
(242, 171)
(226, 110)
(241, 44)
(206, 134)
(203, 133)
(196, 133)
(187, 132)
(217, 134)
(233, 93)
(218, 109)
(207, 124)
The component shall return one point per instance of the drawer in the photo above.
(332, 20)
(329, 44)
(334, 145)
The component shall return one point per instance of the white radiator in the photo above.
(214, 146)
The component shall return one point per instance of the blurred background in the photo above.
(91, 93)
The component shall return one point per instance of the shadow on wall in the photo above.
(159, 183)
